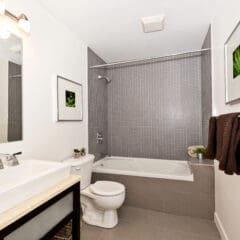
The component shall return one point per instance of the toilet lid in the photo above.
(107, 188)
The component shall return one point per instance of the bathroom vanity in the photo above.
(37, 198)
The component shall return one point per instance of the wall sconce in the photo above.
(22, 20)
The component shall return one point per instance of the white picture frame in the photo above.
(69, 100)
(232, 80)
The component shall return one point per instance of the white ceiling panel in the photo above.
(112, 28)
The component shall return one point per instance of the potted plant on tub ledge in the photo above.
(200, 152)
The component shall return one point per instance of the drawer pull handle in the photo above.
(78, 169)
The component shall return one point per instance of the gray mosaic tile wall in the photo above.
(154, 110)
(97, 110)
(206, 87)
(14, 102)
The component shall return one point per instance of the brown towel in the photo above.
(224, 142)
(233, 164)
(227, 142)
(212, 144)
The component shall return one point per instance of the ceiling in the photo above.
(112, 28)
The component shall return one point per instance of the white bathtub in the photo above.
(144, 167)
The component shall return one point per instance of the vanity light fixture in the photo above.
(24, 23)
(22, 20)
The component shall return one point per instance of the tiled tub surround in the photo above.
(150, 110)
(195, 199)
(97, 105)
(154, 110)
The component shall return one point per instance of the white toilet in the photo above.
(100, 200)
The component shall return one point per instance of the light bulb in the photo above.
(24, 23)
(2, 7)
(4, 33)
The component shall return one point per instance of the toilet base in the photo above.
(104, 219)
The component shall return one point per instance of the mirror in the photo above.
(10, 89)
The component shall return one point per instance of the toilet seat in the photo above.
(107, 188)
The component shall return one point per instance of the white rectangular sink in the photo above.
(31, 177)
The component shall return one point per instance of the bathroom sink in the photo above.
(30, 177)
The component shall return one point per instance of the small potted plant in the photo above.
(200, 152)
(76, 153)
(83, 152)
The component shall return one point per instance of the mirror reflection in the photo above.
(11, 89)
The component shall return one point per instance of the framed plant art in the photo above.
(232, 66)
(69, 100)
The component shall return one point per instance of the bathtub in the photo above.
(143, 167)
(169, 186)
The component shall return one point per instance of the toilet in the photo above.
(100, 200)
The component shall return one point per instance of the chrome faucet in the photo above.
(99, 138)
(11, 159)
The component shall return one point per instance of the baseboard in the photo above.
(220, 227)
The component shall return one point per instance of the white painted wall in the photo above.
(49, 50)
(227, 187)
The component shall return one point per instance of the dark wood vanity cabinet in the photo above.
(71, 195)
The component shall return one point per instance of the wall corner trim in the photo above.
(220, 227)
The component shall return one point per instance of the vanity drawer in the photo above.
(77, 170)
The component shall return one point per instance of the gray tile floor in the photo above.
(140, 224)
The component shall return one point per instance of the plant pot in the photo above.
(77, 155)
(200, 156)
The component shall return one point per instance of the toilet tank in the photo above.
(83, 167)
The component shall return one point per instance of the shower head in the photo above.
(104, 78)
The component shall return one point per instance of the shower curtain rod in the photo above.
(147, 59)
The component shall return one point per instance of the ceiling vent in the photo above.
(153, 23)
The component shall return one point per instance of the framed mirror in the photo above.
(10, 89)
